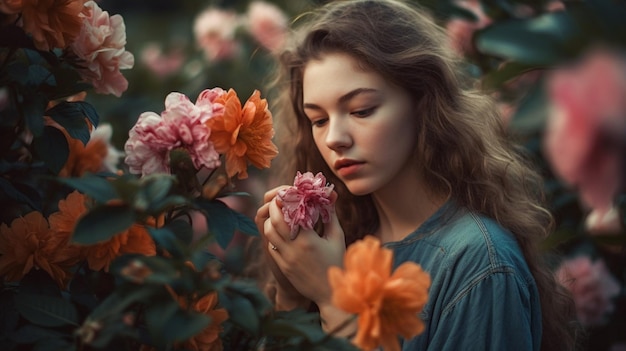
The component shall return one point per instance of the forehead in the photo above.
(336, 74)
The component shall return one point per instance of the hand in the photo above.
(287, 296)
(305, 260)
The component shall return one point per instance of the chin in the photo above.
(358, 188)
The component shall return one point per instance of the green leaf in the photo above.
(241, 312)
(246, 225)
(158, 207)
(221, 221)
(44, 310)
(508, 71)
(52, 148)
(544, 40)
(157, 186)
(182, 325)
(182, 230)
(97, 188)
(33, 107)
(39, 75)
(122, 298)
(70, 117)
(10, 191)
(103, 222)
(530, 116)
(166, 239)
(30, 333)
(158, 314)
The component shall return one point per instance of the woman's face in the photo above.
(363, 126)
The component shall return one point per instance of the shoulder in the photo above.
(478, 274)
(468, 242)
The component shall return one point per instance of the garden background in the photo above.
(556, 68)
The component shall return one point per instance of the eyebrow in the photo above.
(344, 98)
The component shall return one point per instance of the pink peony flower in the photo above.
(214, 30)
(181, 125)
(583, 141)
(305, 201)
(592, 287)
(162, 64)
(267, 24)
(461, 31)
(101, 44)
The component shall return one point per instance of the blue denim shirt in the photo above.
(482, 296)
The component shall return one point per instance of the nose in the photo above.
(338, 136)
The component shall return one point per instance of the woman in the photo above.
(376, 102)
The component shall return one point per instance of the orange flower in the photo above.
(28, 243)
(208, 339)
(243, 134)
(387, 304)
(83, 159)
(52, 23)
(134, 240)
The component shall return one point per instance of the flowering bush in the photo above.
(95, 254)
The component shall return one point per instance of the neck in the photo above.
(402, 209)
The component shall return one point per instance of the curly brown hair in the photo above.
(462, 145)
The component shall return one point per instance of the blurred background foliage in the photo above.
(557, 69)
(513, 47)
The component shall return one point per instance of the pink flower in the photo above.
(214, 30)
(267, 24)
(592, 287)
(461, 31)
(583, 139)
(160, 63)
(101, 44)
(604, 222)
(180, 126)
(305, 201)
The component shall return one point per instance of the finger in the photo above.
(262, 214)
(333, 230)
(271, 235)
(271, 194)
(278, 221)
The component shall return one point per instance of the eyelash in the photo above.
(363, 113)
(359, 114)
(318, 123)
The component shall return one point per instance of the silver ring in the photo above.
(273, 247)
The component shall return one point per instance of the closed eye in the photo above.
(363, 113)
(319, 122)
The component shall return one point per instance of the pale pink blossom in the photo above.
(461, 31)
(214, 30)
(101, 45)
(603, 222)
(267, 24)
(180, 126)
(162, 64)
(584, 138)
(592, 286)
(104, 132)
(306, 201)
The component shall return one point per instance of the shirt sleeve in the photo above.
(494, 312)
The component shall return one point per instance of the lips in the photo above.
(339, 164)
